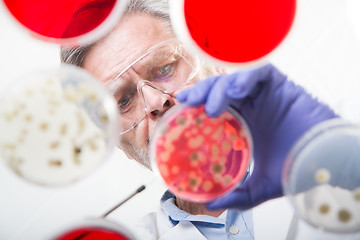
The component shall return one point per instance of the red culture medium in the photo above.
(60, 19)
(201, 158)
(239, 31)
(92, 233)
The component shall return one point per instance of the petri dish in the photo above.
(321, 177)
(200, 158)
(239, 33)
(56, 125)
(67, 22)
(93, 230)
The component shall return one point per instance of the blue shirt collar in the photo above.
(176, 215)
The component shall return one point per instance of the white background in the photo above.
(322, 53)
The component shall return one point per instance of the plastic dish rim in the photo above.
(313, 134)
(180, 107)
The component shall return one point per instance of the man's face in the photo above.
(131, 38)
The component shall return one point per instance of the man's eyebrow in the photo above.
(151, 58)
(113, 86)
(113, 74)
(154, 58)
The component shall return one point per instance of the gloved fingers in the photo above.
(246, 83)
(182, 96)
(241, 198)
(254, 191)
(197, 95)
(217, 101)
(236, 86)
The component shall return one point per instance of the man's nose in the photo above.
(156, 102)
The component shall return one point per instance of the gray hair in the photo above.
(156, 8)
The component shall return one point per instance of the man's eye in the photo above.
(126, 98)
(123, 103)
(162, 72)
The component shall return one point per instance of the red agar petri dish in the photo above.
(201, 158)
(235, 32)
(95, 230)
(68, 22)
(92, 233)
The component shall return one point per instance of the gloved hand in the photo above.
(277, 112)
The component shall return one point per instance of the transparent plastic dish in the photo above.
(67, 22)
(95, 229)
(201, 158)
(235, 33)
(56, 125)
(321, 177)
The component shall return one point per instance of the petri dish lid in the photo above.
(57, 125)
(200, 158)
(67, 22)
(235, 33)
(321, 177)
(94, 229)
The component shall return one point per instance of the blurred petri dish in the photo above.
(201, 158)
(67, 22)
(56, 126)
(321, 177)
(234, 32)
(95, 229)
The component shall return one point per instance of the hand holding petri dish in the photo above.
(322, 177)
(56, 126)
(201, 158)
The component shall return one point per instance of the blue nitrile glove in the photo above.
(277, 112)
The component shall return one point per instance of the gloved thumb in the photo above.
(249, 194)
(247, 83)
(238, 199)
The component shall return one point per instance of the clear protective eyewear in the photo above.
(166, 67)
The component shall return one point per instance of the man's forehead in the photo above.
(134, 34)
